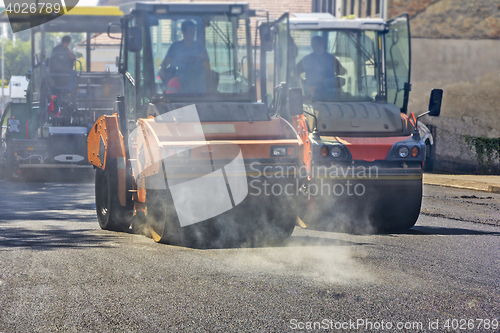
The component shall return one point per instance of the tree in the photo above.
(17, 58)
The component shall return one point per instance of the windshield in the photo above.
(200, 55)
(336, 65)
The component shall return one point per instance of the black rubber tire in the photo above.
(110, 213)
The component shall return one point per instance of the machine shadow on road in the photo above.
(442, 231)
(49, 239)
(427, 230)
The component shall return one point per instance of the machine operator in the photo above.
(320, 68)
(62, 61)
(187, 62)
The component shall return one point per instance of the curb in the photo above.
(494, 189)
(482, 187)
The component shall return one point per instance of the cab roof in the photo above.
(234, 8)
(313, 21)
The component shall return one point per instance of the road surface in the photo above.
(60, 273)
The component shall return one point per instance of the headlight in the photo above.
(279, 151)
(324, 151)
(415, 151)
(403, 151)
(336, 151)
(282, 151)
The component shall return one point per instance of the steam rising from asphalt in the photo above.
(309, 254)
(346, 214)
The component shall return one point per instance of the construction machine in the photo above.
(46, 132)
(186, 157)
(363, 152)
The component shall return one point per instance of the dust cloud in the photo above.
(307, 255)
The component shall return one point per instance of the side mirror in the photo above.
(134, 42)
(295, 104)
(266, 40)
(435, 102)
(110, 26)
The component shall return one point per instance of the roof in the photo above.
(313, 21)
(102, 40)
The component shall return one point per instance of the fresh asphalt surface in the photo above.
(60, 273)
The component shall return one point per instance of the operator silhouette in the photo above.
(187, 60)
(62, 61)
(320, 67)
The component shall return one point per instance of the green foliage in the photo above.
(24, 35)
(487, 150)
(17, 58)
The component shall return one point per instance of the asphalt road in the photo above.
(60, 273)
